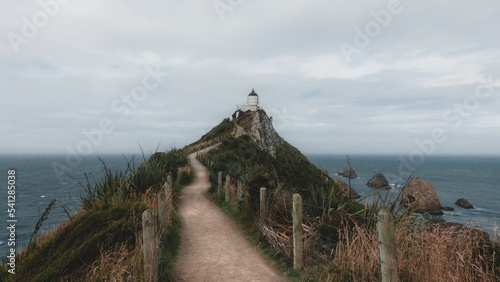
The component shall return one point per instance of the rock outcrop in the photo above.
(348, 191)
(464, 203)
(378, 181)
(420, 196)
(262, 128)
(259, 126)
(348, 173)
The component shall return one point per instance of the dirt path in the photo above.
(213, 247)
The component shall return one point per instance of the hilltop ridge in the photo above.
(250, 144)
(340, 229)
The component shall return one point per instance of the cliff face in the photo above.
(259, 126)
(262, 127)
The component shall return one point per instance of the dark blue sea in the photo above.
(476, 179)
(37, 183)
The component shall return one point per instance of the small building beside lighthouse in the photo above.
(252, 102)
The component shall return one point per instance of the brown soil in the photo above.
(213, 247)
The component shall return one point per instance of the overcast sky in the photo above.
(346, 77)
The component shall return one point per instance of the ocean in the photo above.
(474, 178)
(38, 183)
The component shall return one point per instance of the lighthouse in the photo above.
(252, 102)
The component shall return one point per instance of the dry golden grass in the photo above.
(118, 264)
(184, 175)
(337, 247)
(121, 263)
(428, 252)
(445, 252)
(357, 255)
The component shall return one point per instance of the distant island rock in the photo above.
(464, 204)
(421, 196)
(348, 173)
(348, 191)
(378, 181)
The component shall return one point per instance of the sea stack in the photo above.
(348, 173)
(420, 196)
(464, 204)
(378, 181)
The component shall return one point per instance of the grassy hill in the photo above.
(340, 234)
(103, 242)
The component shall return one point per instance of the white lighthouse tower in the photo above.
(252, 103)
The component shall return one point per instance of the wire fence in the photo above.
(349, 250)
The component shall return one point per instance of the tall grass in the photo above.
(342, 244)
(120, 263)
(103, 241)
(429, 252)
(340, 237)
(121, 186)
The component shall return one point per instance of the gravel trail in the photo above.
(213, 248)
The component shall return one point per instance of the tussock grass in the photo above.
(103, 241)
(339, 233)
(428, 252)
(117, 264)
(70, 249)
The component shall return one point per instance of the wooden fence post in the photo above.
(240, 191)
(263, 205)
(149, 247)
(219, 182)
(169, 200)
(387, 245)
(226, 187)
(162, 211)
(297, 232)
(170, 181)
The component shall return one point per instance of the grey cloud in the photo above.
(426, 60)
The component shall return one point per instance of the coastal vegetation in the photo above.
(102, 242)
(340, 236)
